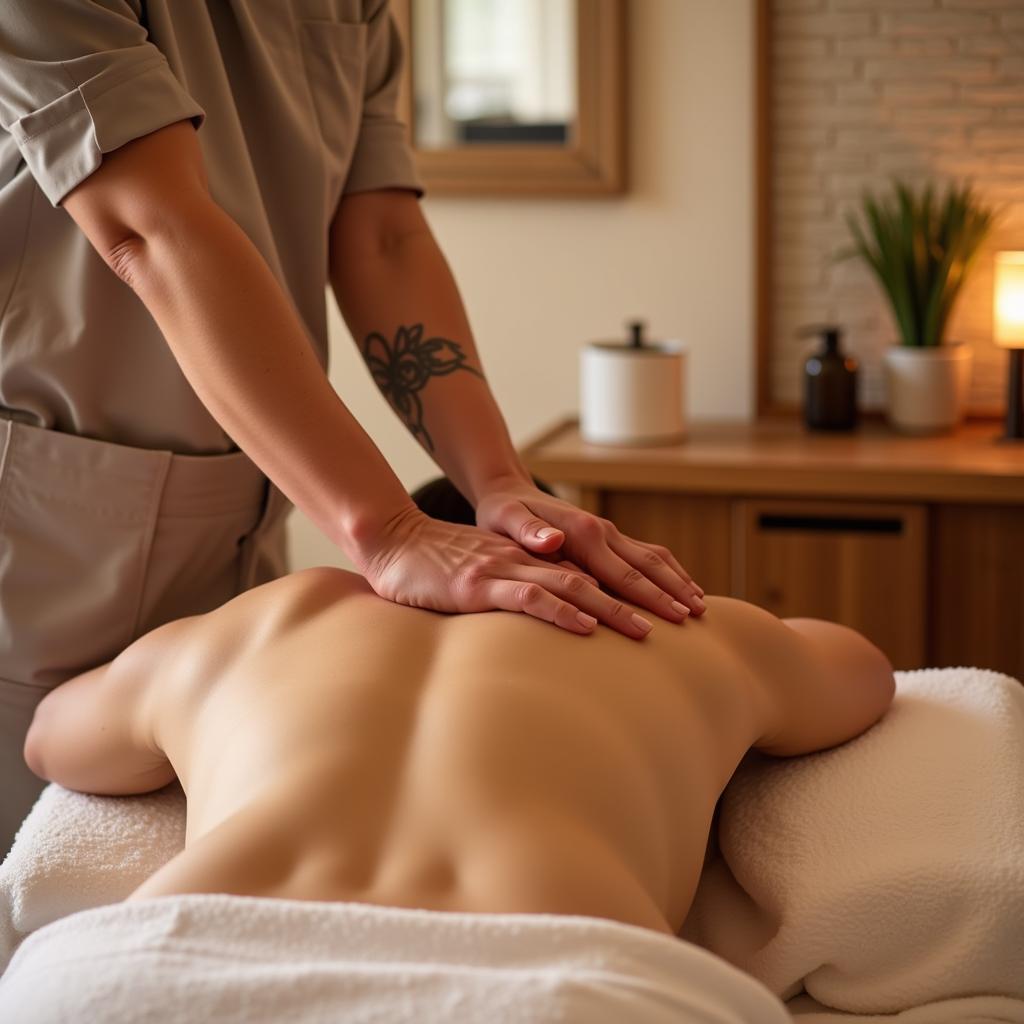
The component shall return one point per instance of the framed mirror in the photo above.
(516, 97)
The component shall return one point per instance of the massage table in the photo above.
(882, 880)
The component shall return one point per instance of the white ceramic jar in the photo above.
(633, 392)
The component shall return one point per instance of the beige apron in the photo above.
(101, 542)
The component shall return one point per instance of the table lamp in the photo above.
(1009, 333)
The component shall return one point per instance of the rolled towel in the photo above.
(75, 851)
(886, 873)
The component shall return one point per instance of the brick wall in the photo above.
(862, 90)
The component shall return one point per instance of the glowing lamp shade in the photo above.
(1009, 300)
(1009, 332)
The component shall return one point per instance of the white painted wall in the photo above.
(542, 277)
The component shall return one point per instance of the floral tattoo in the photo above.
(402, 368)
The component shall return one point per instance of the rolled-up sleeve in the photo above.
(78, 79)
(382, 157)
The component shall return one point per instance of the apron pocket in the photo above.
(194, 565)
(74, 538)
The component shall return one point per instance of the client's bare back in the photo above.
(484, 762)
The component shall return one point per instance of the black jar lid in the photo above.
(637, 344)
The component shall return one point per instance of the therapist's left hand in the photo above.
(645, 574)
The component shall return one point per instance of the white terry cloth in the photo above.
(256, 960)
(887, 873)
(970, 1010)
(75, 851)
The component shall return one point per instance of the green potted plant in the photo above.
(921, 248)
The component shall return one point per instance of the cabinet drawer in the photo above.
(859, 564)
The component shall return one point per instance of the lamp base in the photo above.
(1015, 397)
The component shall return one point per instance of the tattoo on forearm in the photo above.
(402, 368)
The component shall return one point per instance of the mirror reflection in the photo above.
(493, 72)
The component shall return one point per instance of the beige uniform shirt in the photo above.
(294, 102)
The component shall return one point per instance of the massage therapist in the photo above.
(179, 182)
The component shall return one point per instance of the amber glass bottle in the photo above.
(830, 392)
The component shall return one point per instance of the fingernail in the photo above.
(679, 608)
(586, 620)
(545, 533)
(641, 623)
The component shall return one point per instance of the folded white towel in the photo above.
(75, 851)
(887, 873)
(971, 1010)
(249, 960)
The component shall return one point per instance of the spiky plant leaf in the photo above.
(921, 248)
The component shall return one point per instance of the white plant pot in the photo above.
(927, 386)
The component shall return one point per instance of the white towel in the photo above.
(970, 1010)
(75, 851)
(887, 873)
(250, 960)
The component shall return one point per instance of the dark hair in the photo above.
(441, 499)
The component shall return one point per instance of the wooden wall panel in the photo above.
(977, 587)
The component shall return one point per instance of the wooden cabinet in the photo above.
(916, 542)
(698, 526)
(975, 587)
(862, 565)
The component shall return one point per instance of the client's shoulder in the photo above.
(742, 626)
(293, 593)
(201, 647)
(321, 579)
(770, 652)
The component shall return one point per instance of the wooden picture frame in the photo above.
(594, 162)
(764, 404)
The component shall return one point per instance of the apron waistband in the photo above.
(88, 471)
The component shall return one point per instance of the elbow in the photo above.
(884, 675)
(40, 743)
(879, 682)
(150, 188)
(375, 226)
(125, 256)
(888, 684)
(34, 749)
(888, 688)
(141, 248)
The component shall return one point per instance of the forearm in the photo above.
(403, 295)
(245, 351)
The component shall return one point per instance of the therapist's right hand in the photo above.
(448, 567)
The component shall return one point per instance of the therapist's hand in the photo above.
(645, 574)
(428, 563)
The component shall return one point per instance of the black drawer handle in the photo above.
(831, 524)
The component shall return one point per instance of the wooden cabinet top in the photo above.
(782, 457)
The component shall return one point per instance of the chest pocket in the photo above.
(334, 58)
